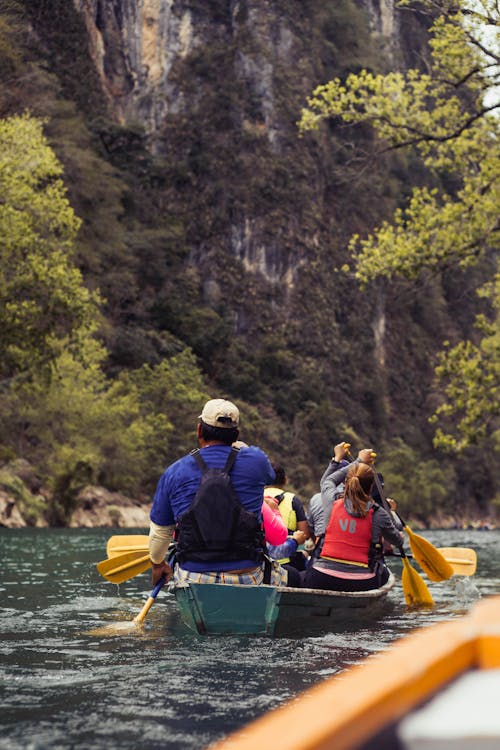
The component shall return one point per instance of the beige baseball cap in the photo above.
(220, 413)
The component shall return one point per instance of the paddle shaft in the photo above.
(451, 560)
(387, 507)
(150, 601)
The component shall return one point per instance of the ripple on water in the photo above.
(161, 686)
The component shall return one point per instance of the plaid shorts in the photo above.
(279, 576)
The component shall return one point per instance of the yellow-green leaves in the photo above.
(42, 297)
(449, 113)
(470, 376)
(82, 427)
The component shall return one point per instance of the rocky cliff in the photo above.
(208, 221)
(160, 63)
(135, 47)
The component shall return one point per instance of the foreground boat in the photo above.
(435, 689)
(270, 610)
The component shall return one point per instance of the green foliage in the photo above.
(43, 303)
(447, 115)
(470, 375)
(80, 428)
(419, 487)
(175, 388)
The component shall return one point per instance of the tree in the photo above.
(44, 305)
(79, 427)
(449, 114)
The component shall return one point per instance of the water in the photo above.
(163, 687)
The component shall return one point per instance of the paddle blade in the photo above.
(463, 560)
(125, 566)
(414, 588)
(428, 557)
(119, 544)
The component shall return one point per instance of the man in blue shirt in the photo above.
(217, 430)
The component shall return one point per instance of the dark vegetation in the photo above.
(296, 346)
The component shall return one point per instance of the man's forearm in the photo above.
(159, 539)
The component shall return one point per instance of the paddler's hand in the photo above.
(367, 456)
(340, 451)
(159, 570)
(299, 537)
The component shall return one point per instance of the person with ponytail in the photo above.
(351, 558)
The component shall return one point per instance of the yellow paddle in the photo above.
(463, 560)
(126, 543)
(428, 557)
(414, 588)
(124, 566)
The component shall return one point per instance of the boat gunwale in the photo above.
(329, 593)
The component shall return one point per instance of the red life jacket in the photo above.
(347, 537)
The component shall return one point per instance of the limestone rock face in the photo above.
(136, 44)
(97, 507)
(138, 48)
(10, 517)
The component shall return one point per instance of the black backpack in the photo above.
(216, 527)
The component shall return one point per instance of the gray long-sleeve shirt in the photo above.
(332, 486)
(315, 515)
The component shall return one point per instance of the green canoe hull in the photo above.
(209, 608)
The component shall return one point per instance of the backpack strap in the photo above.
(231, 459)
(229, 463)
(201, 463)
(268, 567)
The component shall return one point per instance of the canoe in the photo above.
(435, 689)
(211, 608)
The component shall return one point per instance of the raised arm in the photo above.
(384, 527)
(332, 486)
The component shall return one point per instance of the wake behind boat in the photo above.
(211, 608)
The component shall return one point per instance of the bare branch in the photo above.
(485, 50)
(431, 137)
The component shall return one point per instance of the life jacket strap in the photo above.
(346, 562)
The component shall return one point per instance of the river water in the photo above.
(64, 688)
